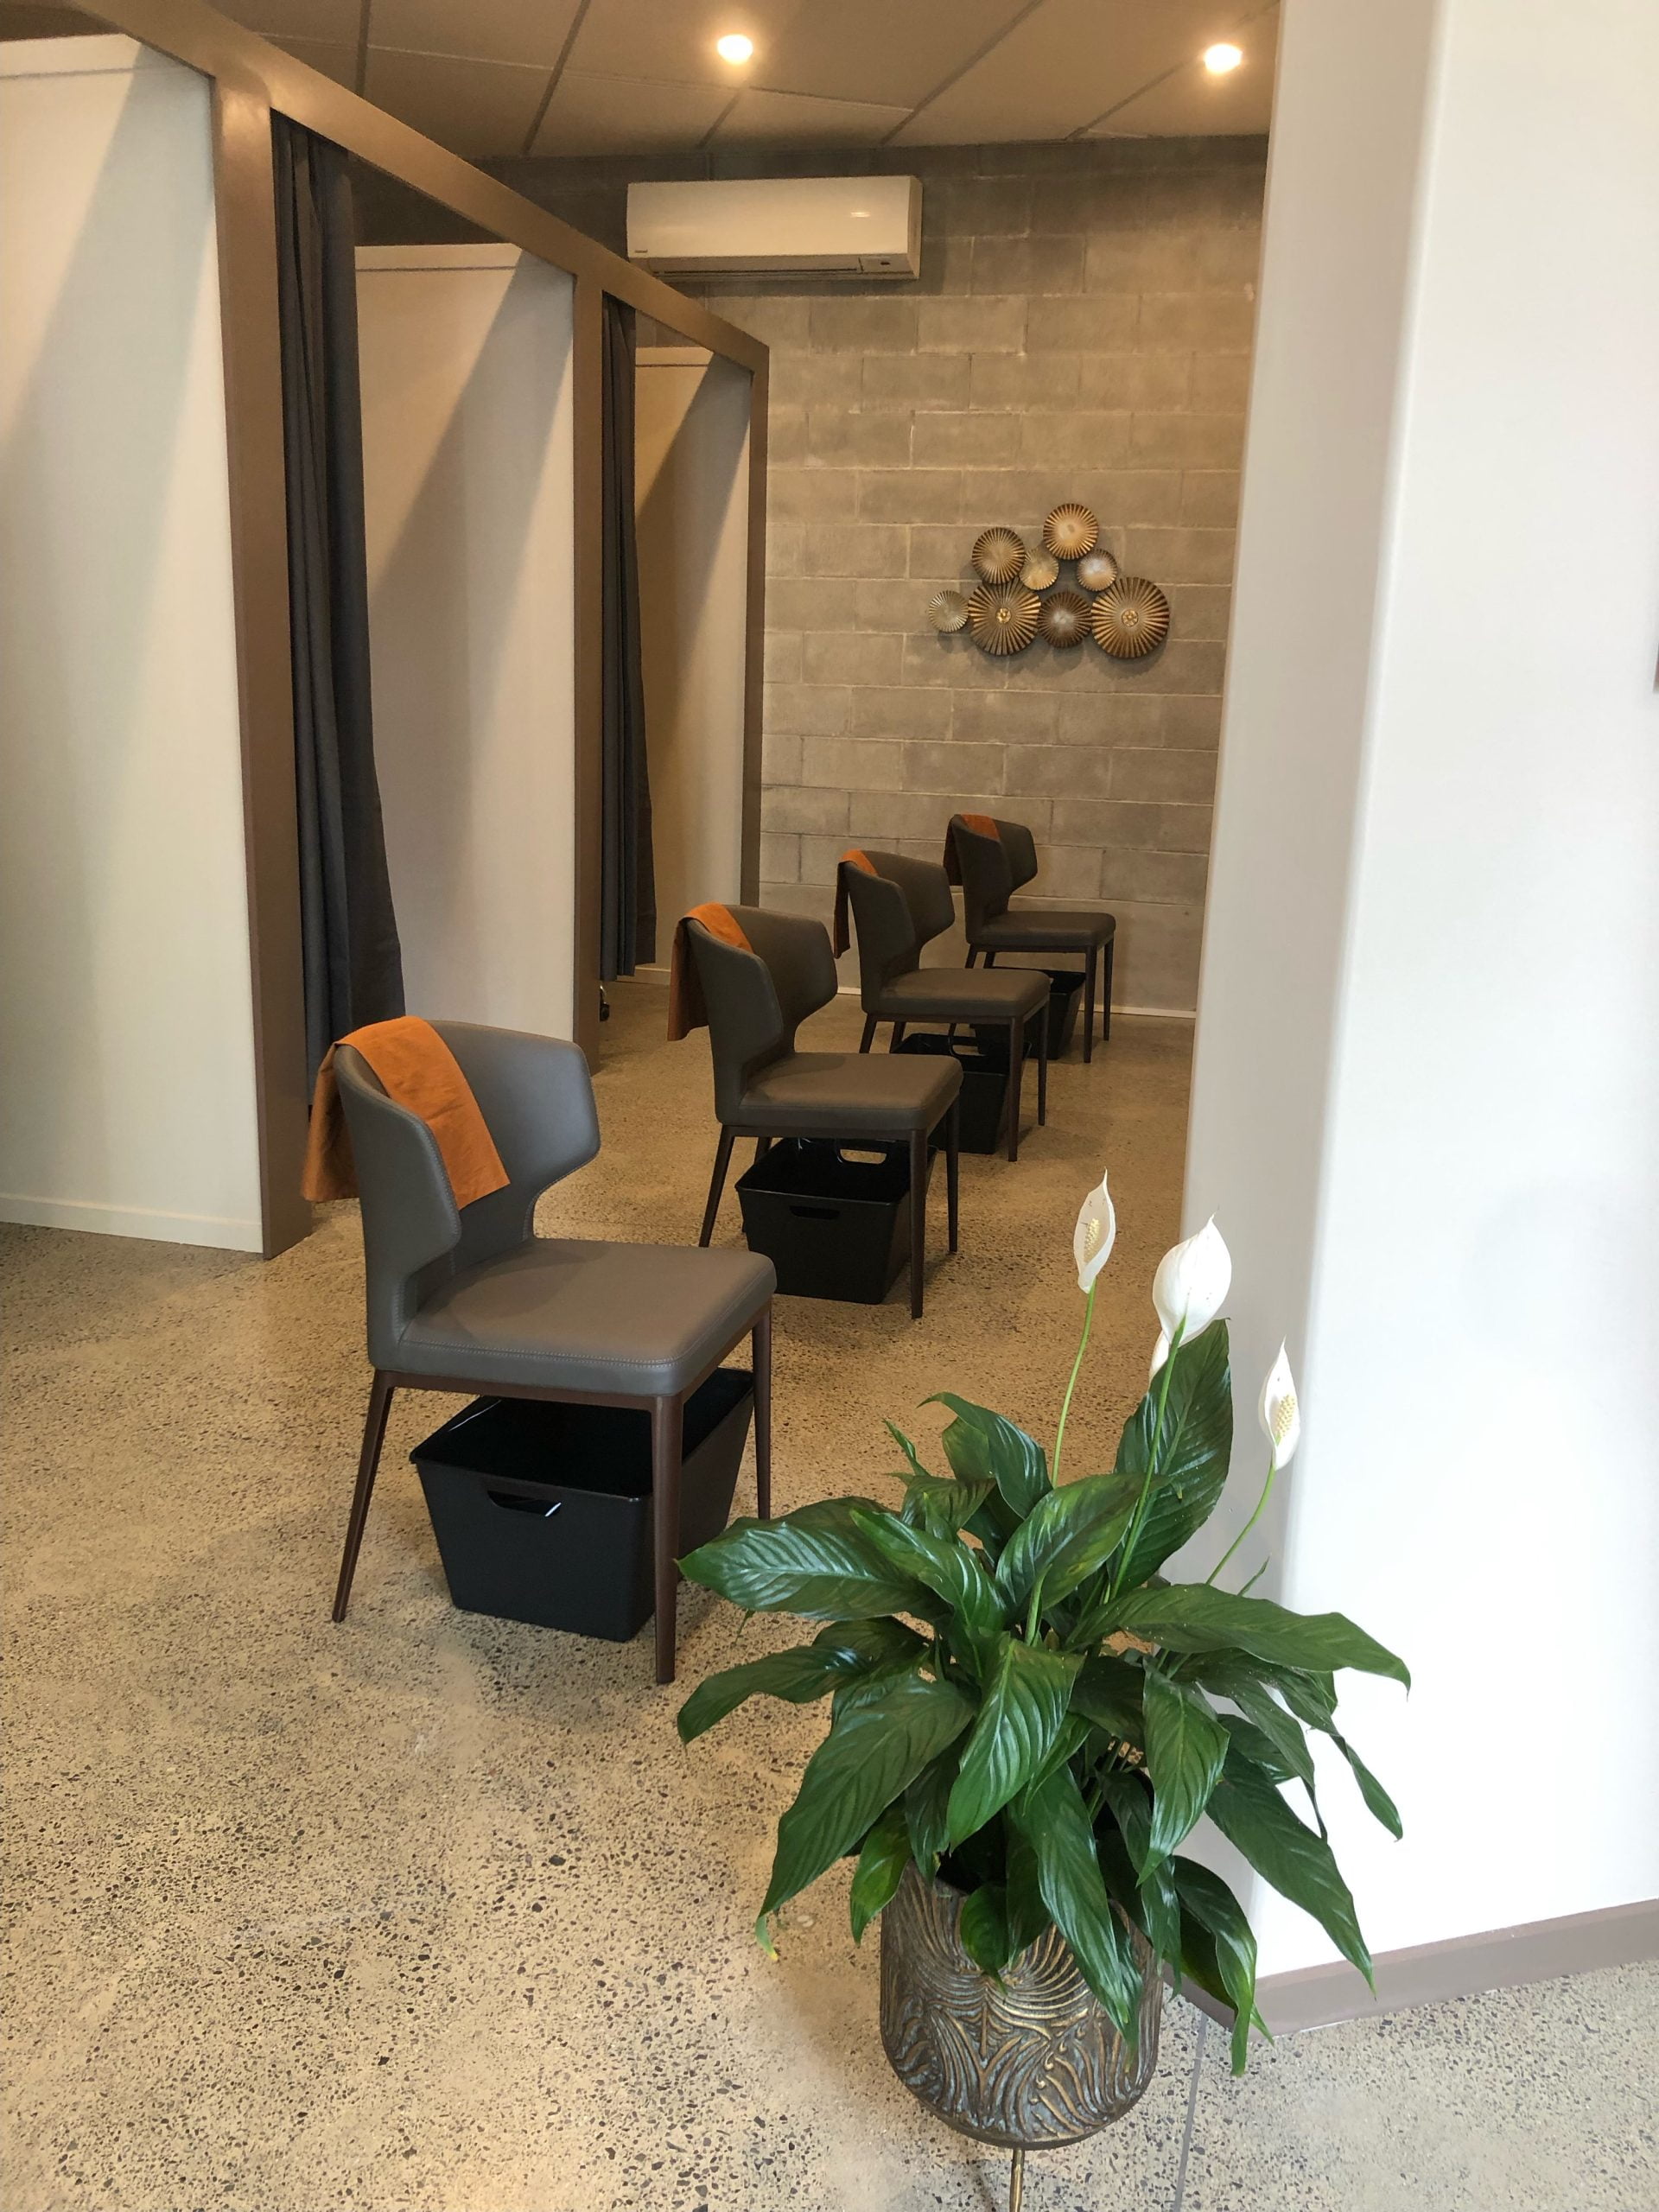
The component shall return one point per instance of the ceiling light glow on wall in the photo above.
(734, 46)
(1219, 60)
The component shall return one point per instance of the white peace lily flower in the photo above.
(1191, 1283)
(1280, 1414)
(1160, 1354)
(1095, 1235)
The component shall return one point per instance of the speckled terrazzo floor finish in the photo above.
(431, 1913)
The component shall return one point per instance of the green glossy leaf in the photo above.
(1219, 1912)
(926, 1801)
(1129, 1802)
(1055, 1822)
(1195, 1447)
(1312, 1698)
(909, 1450)
(1256, 1820)
(1186, 1747)
(994, 1523)
(1246, 1741)
(881, 1868)
(1109, 1692)
(1146, 1891)
(839, 1654)
(1192, 1617)
(955, 1571)
(1024, 1709)
(1230, 1676)
(1028, 1915)
(1378, 1803)
(940, 1507)
(815, 1563)
(983, 1927)
(1067, 1535)
(870, 1757)
(979, 1443)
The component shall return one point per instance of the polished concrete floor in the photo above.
(432, 1913)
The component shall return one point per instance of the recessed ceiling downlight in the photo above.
(1219, 60)
(734, 46)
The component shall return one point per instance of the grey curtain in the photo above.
(353, 967)
(627, 879)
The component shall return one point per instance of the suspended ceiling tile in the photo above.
(594, 114)
(872, 50)
(1064, 67)
(673, 40)
(797, 119)
(336, 23)
(475, 108)
(532, 31)
(1190, 102)
(326, 55)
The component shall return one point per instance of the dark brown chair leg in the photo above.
(716, 1184)
(952, 1150)
(1042, 1067)
(1016, 1073)
(990, 960)
(1106, 991)
(374, 1435)
(1089, 971)
(762, 1147)
(868, 1038)
(667, 1417)
(761, 1338)
(973, 954)
(917, 1218)
(897, 1037)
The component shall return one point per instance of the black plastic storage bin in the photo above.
(1064, 998)
(984, 1124)
(544, 1512)
(833, 1219)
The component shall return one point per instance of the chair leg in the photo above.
(868, 1038)
(762, 1147)
(374, 1435)
(917, 1218)
(760, 1339)
(973, 954)
(667, 1418)
(1042, 1067)
(1016, 1084)
(897, 1037)
(1089, 973)
(953, 1151)
(716, 1184)
(990, 960)
(1106, 991)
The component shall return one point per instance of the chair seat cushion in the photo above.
(848, 1095)
(643, 1320)
(961, 995)
(1045, 929)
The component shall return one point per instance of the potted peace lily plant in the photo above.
(1027, 1720)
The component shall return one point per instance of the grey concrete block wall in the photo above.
(1081, 329)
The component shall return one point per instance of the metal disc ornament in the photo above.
(1063, 619)
(1002, 618)
(1040, 569)
(1097, 573)
(948, 610)
(998, 553)
(1070, 531)
(1130, 619)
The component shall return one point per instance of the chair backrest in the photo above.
(756, 1000)
(904, 905)
(993, 867)
(537, 1098)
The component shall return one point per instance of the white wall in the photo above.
(1426, 1104)
(691, 452)
(468, 478)
(126, 1047)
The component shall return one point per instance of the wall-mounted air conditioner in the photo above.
(764, 227)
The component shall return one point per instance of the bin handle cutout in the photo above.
(815, 1213)
(511, 1504)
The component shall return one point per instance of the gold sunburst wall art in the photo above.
(1065, 588)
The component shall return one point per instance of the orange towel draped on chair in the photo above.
(686, 1011)
(418, 1071)
(982, 825)
(840, 936)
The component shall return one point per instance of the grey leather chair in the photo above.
(476, 1302)
(991, 867)
(764, 1087)
(897, 905)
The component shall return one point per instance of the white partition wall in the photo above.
(1426, 1093)
(691, 488)
(127, 1099)
(467, 472)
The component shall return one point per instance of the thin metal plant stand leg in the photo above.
(1017, 2182)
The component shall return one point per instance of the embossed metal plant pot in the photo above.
(1030, 2065)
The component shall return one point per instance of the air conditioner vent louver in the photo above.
(824, 225)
